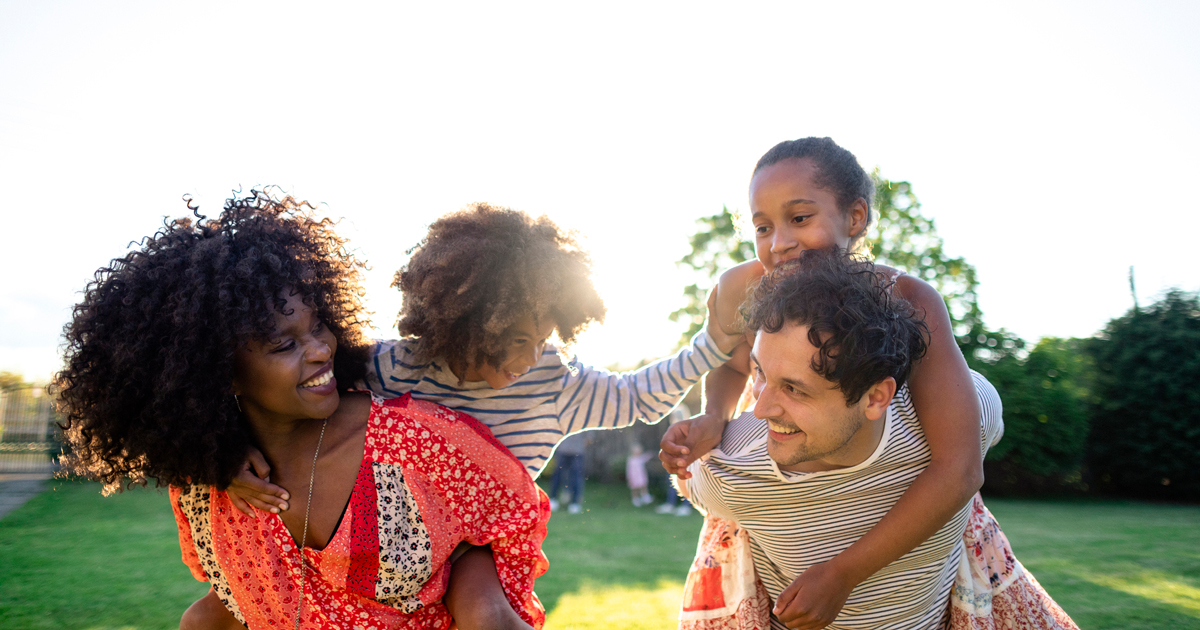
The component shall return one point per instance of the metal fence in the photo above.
(29, 434)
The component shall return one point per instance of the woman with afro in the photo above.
(483, 292)
(217, 336)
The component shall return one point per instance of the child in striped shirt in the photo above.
(483, 292)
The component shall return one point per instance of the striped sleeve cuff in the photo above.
(707, 349)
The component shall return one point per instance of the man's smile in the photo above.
(782, 432)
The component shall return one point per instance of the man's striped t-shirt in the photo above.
(796, 520)
(553, 399)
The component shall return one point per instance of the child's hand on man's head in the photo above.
(251, 489)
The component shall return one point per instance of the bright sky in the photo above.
(1053, 143)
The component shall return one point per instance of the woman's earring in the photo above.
(237, 402)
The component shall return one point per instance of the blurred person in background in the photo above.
(635, 475)
(571, 455)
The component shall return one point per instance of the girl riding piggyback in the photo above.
(813, 194)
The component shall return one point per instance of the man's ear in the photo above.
(879, 397)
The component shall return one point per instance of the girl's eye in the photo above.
(800, 218)
(761, 229)
(283, 347)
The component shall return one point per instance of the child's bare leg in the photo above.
(475, 598)
(208, 613)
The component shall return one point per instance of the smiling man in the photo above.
(833, 442)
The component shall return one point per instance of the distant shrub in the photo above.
(1045, 418)
(1145, 438)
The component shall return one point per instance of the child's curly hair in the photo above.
(478, 271)
(147, 388)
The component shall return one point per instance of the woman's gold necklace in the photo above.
(312, 476)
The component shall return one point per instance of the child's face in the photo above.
(791, 214)
(526, 340)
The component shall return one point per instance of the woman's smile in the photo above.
(322, 383)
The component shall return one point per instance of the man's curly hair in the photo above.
(478, 271)
(863, 333)
(147, 391)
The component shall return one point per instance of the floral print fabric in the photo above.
(430, 479)
(992, 590)
(722, 591)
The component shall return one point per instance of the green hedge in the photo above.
(1145, 438)
(1045, 418)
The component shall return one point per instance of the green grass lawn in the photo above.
(72, 559)
(1133, 566)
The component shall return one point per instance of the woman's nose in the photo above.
(318, 351)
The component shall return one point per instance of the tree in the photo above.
(716, 246)
(1145, 438)
(1045, 396)
(903, 238)
(900, 237)
(9, 380)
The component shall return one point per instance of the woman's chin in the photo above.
(325, 406)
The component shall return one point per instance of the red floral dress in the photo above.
(430, 479)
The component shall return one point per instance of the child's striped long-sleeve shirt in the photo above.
(553, 399)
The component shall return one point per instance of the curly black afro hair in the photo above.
(480, 270)
(147, 388)
(863, 333)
